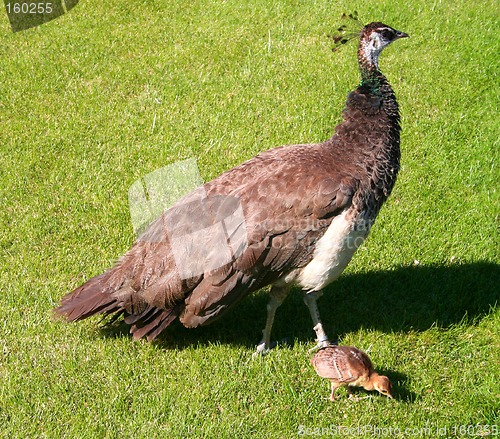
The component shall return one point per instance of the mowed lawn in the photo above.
(111, 91)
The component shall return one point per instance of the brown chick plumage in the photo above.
(349, 366)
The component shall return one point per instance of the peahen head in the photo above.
(374, 38)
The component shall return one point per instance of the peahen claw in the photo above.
(320, 345)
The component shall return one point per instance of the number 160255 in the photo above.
(29, 8)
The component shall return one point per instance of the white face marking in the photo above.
(374, 45)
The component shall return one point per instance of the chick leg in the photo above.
(332, 394)
(351, 395)
(278, 295)
(321, 337)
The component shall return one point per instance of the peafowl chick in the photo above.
(348, 366)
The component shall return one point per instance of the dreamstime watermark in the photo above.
(24, 14)
(479, 430)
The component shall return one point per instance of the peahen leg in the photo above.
(278, 295)
(321, 337)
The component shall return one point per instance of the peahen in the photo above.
(305, 210)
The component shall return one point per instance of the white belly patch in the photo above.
(332, 253)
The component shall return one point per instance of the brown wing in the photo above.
(287, 208)
(287, 198)
(331, 363)
(343, 364)
(358, 360)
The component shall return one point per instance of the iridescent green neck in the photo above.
(373, 81)
(368, 64)
(371, 77)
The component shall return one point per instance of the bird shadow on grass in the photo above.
(408, 298)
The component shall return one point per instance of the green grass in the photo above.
(111, 91)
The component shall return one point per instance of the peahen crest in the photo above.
(347, 31)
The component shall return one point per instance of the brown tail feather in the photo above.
(152, 323)
(87, 300)
(96, 296)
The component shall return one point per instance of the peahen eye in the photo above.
(387, 34)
